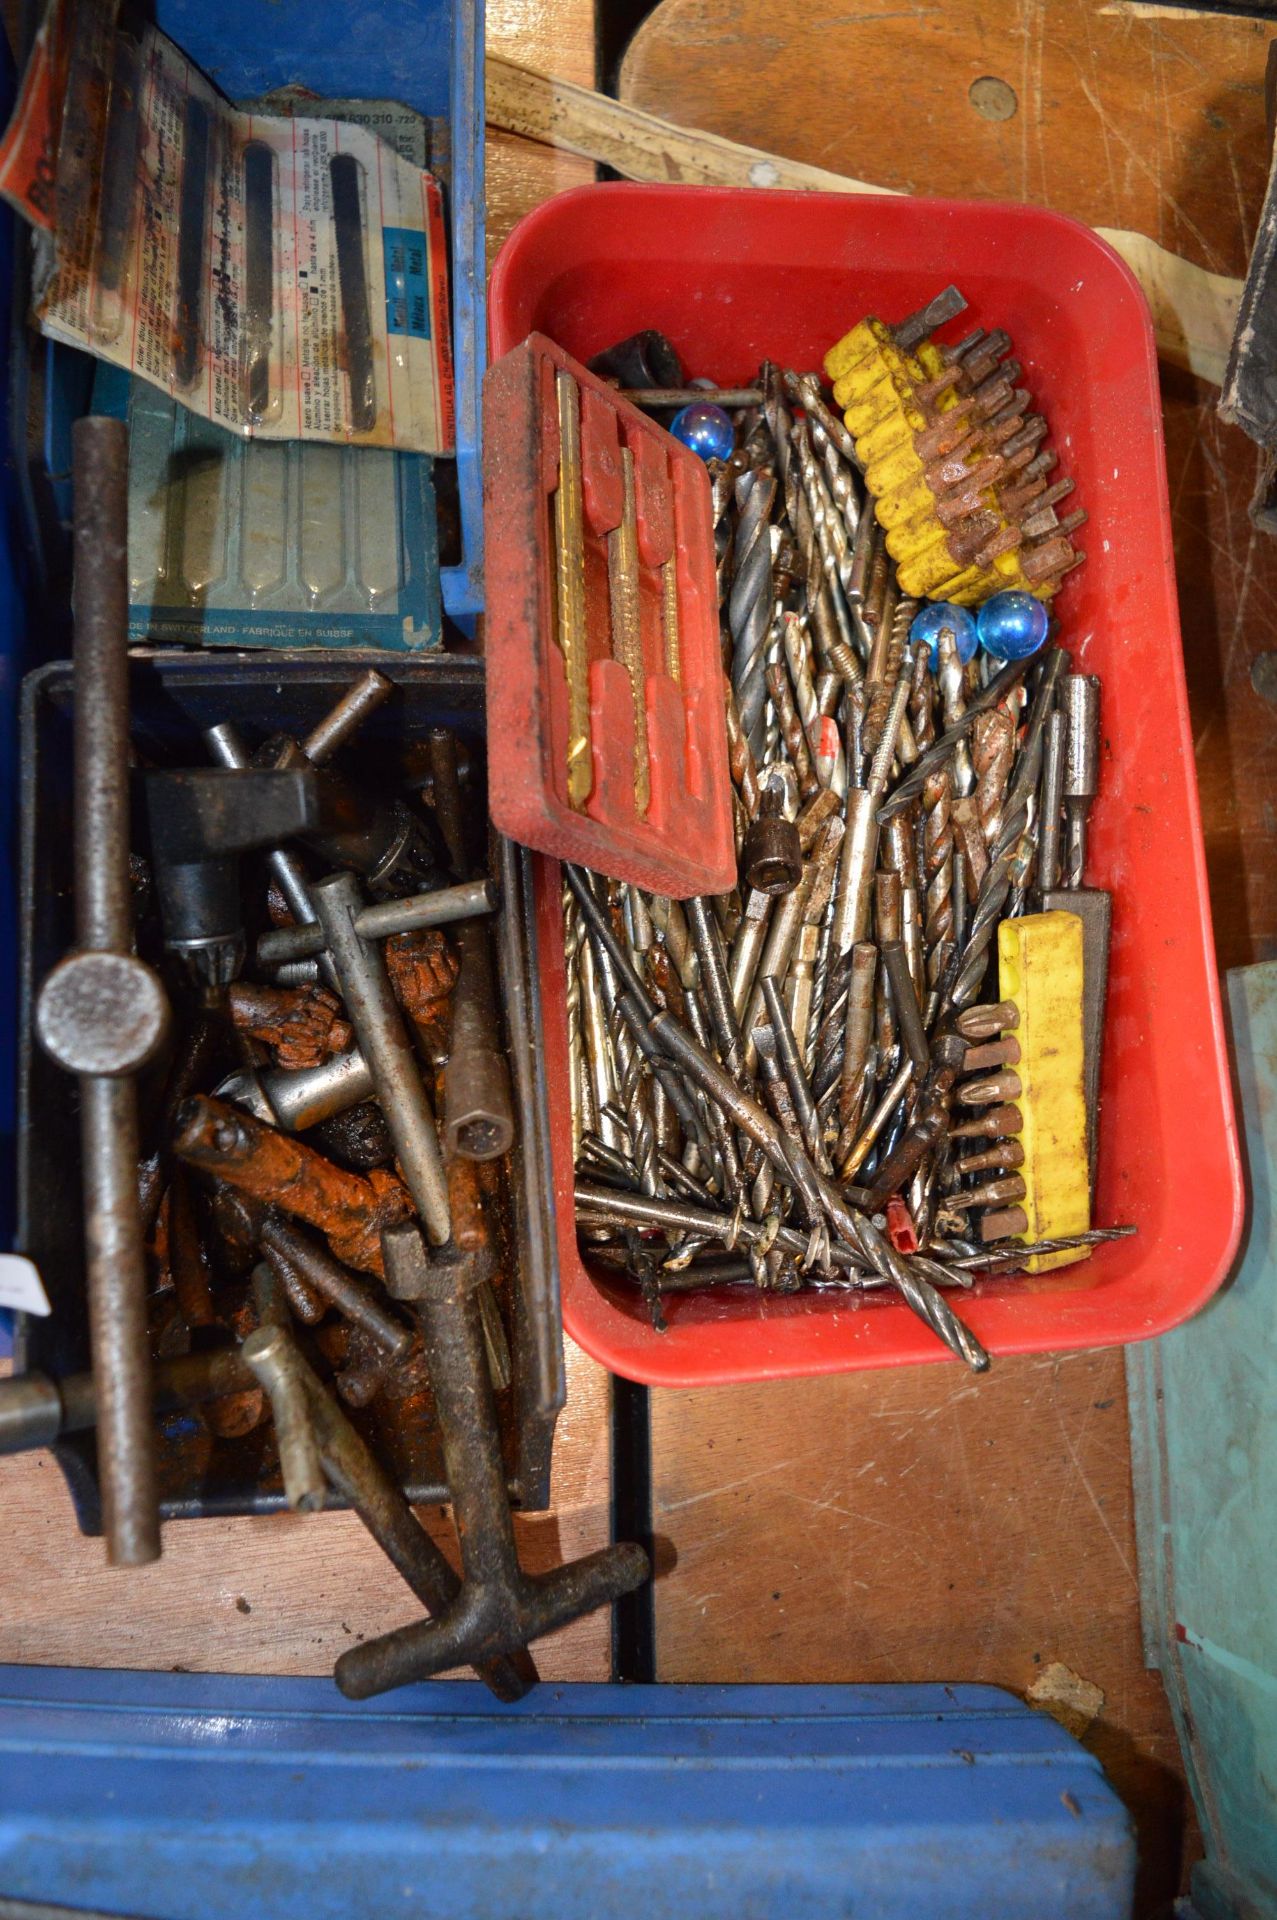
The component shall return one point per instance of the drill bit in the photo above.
(998, 880)
(1052, 803)
(627, 624)
(570, 551)
(992, 754)
(749, 607)
(952, 677)
(1081, 768)
(740, 754)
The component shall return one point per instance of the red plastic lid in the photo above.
(606, 737)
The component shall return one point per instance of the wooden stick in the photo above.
(1194, 312)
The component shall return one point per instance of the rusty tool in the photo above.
(499, 1609)
(293, 1254)
(771, 858)
(358, 1477)
(478, 1117)
(102, 1013)
(301, 1025)
(378, 1024)
(349, 1209)
(401, 1091)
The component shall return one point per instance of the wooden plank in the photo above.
(282, 1594)
(1146, 120)
(520, 172)
(919, 1525)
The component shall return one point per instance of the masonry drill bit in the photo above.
(569, 537)
(749, 606)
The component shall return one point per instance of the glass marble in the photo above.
(1012, 625)
(706, 429)
(930, 621)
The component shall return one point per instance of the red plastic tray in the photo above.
(734, 277)
(686, 732)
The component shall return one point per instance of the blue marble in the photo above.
(706, 429)
(930, 621)
(1012, 625)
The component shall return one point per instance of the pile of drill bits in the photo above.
(798, 1084)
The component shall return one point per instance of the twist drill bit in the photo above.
(572, 936)
(992, 755)
(952, 678)
(791, 730)
(998, 880)
(1052, 803)
(909, 786)
(749, 606)
(740, 755)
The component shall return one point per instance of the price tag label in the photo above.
(21, 1285)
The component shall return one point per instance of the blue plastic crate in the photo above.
(205, 1797)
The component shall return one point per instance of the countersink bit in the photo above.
(1081, 767)
(750, 602)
